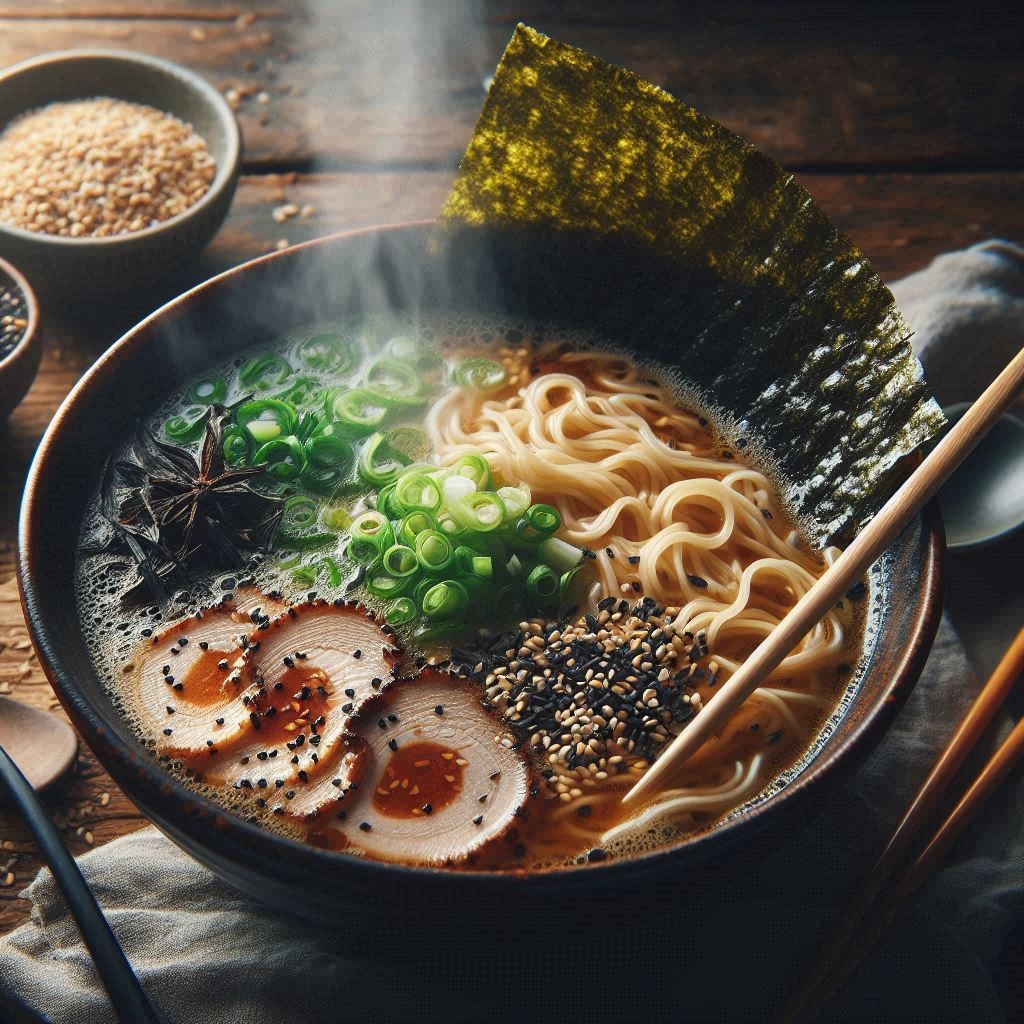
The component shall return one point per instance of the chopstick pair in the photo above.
(868, 916)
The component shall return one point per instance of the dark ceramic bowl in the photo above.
(357, 273)
(18, 368)
(76, 270)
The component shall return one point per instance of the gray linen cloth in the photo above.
(205, 952)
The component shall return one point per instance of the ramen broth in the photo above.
(513, 563)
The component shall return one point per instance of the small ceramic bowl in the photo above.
(18, 368)
(84, 268)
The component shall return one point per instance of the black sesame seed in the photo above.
(479, 818)
(426, 808)
(697, 581)
(303, 775)
(633, 559)
(438, 709)
(609, 552)
(393, 743)
(220, 721)
(596, 855)
(365, 826)
(170, 710)
(349, 692)
(168, 731)
(357, 654)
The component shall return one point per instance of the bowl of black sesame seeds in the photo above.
(116, 169)
(20, 338)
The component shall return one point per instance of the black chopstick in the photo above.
(118, 978)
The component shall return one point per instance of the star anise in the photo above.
(182, 511)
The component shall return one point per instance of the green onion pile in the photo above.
(439, 548)
(448, 547)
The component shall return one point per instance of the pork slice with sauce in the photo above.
(441, 785)
(309, 670)
(186, 681)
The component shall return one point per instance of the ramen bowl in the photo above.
(363, 273)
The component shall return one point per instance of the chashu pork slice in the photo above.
(441, 784)
(187, 679)
(308, 671)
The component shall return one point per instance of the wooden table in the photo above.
(905, 125)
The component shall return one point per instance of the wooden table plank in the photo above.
(350, 87)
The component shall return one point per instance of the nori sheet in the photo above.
(611, 205)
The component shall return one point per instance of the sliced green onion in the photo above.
(303, 542)
(434, 551)
(413, 525)
(336, 518)
(358, 411)
(410, 442)
(182, 430)
(290, 560)
(385, 501)
(444, 600)
(303, 393)
(516, 499)
(481, 511)
(329, 352)
(264, 372)
(307, 425)
(266, 419)
(566, 580)
(300, 513)
(400, 560)
(472, 562)
(394, 382)
(333, 570)
(560, 556)
(514, 567)
(475, 468)
(378, 464)
(415, 490)
(237, 445)
(283, 457)
(371, 533)
(385, 586)
(305, 577)
(455, 488)
(537, 522)
(542, 585)
(480, 374)
(208, 391)
(327, 447)
(402, 612)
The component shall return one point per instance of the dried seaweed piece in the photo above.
(613, 206)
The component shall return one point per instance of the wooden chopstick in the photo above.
(867, 917)
(869, 544)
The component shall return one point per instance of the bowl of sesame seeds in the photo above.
(116, 169)
(20, 338)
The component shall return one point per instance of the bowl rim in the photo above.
(31, 335)
(167, 801)
(226, 171)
